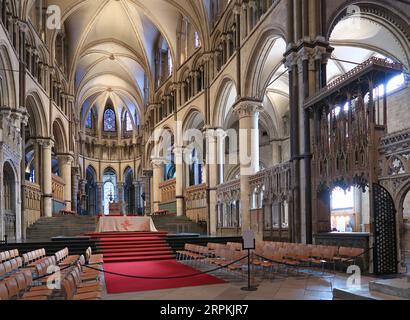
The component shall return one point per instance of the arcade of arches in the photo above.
(287, 117)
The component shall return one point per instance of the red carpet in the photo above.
(133, 246)
(164, 268)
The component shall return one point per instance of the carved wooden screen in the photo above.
(385, 250)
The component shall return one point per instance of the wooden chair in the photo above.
(4, 294)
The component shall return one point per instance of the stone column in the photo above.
(211, 135)
(248, 112)
(120, 187)
(75, 189)
(158, 172)
(136, 195)
(65, 162)
(148, 187)
(83, 198)
(99, 208)
(46, 185)
(179, 188)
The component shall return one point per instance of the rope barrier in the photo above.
(90, 266)
(166, 278)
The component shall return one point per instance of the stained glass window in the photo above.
(170, 63)
(109, 120)
(197, 40)
(89, 121)
(128, 122)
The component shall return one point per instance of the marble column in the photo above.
(158, 173)
(65, 162)
(46, 186)
(248, 112)
(179, 188)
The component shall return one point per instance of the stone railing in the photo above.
(32, 203)
(196, 203)
(168, 190)
(229, 191)
(58, 187)
(275, 180)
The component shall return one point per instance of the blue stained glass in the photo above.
(109, 120)
(89, 121)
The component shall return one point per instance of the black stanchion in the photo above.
(249, 243)
(249, 287)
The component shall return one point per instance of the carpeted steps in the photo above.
(133, 246)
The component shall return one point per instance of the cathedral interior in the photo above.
(288, 118)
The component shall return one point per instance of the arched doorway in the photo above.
(110, 194)
(91, 191)
(9, 202)
(129, 192)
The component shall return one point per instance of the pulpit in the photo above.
(115, 209)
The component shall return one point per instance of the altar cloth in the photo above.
(125, 224)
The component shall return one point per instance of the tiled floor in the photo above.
(281, 287)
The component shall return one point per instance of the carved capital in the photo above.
(248, 108)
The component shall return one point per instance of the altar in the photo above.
(125, 224)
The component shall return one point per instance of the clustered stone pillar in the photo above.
(179, 160)
(212, 135)
(99, 208)
(158, 169)
(47, 187)
(65, 163)
(120, 187)
(147, 190)
(248, 111)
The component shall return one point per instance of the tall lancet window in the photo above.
(89, 123)
(109, 120)
(128, 122)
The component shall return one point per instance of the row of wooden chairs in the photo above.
(10, 267)
(91, 258)
(30, 258)
(8, 255)
(229, 257)
(64, 259)
(216, 254)
(21, 286)
(300, 255)
(82, 283)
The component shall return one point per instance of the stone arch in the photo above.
(9, 201)
(225, 99)
(266, 59)
(37, 116)
(60, 139)
(8, 90)
(381, 14)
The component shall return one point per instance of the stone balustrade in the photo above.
(196, 203)
(58, 187)
(32, 203)
(168, 191)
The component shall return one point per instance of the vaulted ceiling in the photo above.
(111, 44)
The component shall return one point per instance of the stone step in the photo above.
(361, 294)
(68, 226)
(393, 287)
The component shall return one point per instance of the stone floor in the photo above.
(312, 285)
